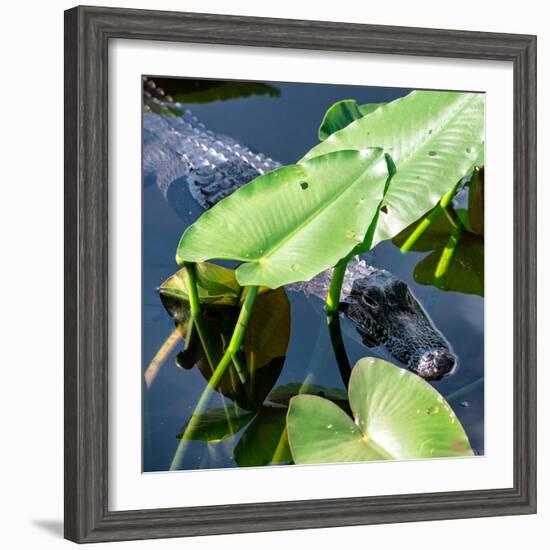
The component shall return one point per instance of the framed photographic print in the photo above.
(300, 274)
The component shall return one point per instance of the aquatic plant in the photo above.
(433, 139)
(395, 415)
(456, 259)
(259, 361)
(294, 222)
(380, 169)
(260, 433)
(204, 301)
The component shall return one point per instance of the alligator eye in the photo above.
(369, 302)
(410, 299)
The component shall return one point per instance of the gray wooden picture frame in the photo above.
(87, 34)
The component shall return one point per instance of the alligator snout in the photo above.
(435, 364)
(388, 314)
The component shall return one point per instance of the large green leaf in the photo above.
(434, 138)
(397, 415)
(343, 113)
(293, 223)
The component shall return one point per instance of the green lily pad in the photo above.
(275, 223)
(397, 415)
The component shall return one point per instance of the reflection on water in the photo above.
(283, 127)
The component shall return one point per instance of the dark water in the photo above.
(284, 128)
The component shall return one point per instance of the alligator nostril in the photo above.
(429, 356)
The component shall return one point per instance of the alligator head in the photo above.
(387, 314)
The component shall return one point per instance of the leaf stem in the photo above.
(427, 222)
(205, 342)
(190, 332)
(333, 321)
(440, 274)
(194, 301)
(219, 371)
(333, 297)
(335, 331)
(196, 321)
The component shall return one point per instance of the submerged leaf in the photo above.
(466, 269)
(216, 285)
(218, 424)
(264, 441)
(293, 223)
(397, 415)
(263, 351)
(265, 343)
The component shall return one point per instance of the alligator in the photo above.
(179, 152)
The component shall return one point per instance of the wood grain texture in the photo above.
(87, 34)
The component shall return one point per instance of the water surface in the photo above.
(284, 128)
